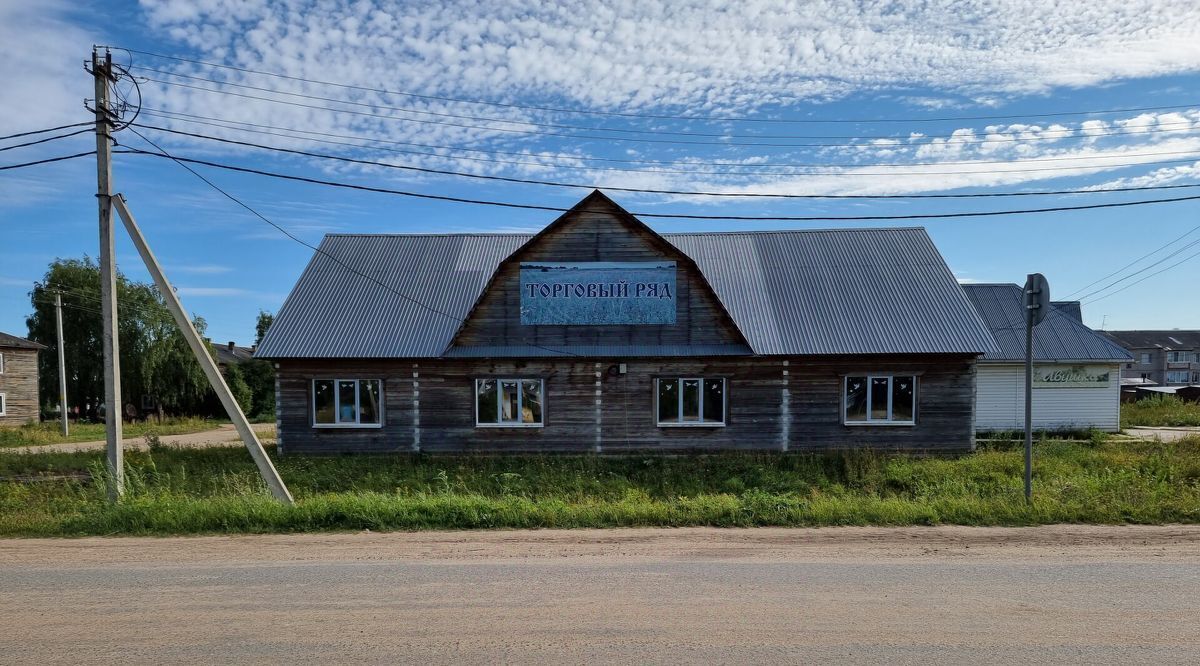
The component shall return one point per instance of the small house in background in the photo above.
(231, 354)
(1076, 372)
(18, 380)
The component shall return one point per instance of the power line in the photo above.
(318, 250)
(680, 216)
(46, 161)
(187, 118)
(1164, 270)
(43, 131)
(642, 139)
(1135, 261)
(530, 123)
(1139, 271)
(527, 181)
(45, 140)
(651, 116)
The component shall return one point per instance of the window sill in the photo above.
(509, 425)
(861, 424)
(710, 424)
(347, 426)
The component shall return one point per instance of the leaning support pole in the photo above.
(265, 467)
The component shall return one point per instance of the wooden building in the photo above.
(18, 380)
(598, 334)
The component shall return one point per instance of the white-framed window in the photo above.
(512, 402)
(1145, 358)
(3, 405)
(879, 399)
(347, 403)
(1178, 376)
(1, 363)
(690, 401)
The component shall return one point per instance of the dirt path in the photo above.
(1063, 542)
(1060, 594)
(1162, 434)
(222, 435)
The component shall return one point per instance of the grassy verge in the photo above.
(174, 491)
(34, 434)
(1166, 410)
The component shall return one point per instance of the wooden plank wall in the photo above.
(602, 235)
(755, 387)
(19, 384)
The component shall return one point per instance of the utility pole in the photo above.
(62, 364)
(102, 74)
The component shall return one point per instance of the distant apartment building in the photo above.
(1166, 358)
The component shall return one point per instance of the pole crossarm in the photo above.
(265, 467)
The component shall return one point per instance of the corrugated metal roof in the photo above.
(1172, 339)
(14, 342)
(1073, 309)
(1058, 338)
(600, 351)
(845, 291)
(838, 291)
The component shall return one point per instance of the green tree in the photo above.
(265, 319)
(260, 377)
(238, 387)
(151, 360)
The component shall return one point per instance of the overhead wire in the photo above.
(292, 135)
(46, 161)
(651, 116)
(44, 140)
(531, 123)
(616, 188)
(960, 140)
(679, 216)
(43, 131)
(1139, 259)
(314, 248)
(1158, 272)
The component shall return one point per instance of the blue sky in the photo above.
(831, 62)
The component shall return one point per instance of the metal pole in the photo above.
(102, 73)
(62, 365)
(1028, 404)
(265, 467)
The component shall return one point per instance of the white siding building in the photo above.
(1077, 371)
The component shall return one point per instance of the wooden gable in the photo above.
(597, 230)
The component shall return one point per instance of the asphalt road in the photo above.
(906, 596)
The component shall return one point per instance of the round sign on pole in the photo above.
(1037, 297)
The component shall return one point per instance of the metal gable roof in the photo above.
(1060, 337)
(14, 342)
(846, 291)
(839, 291)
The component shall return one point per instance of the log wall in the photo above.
(773, 403)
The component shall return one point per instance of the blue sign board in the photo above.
(596, 293)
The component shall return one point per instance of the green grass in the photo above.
(34, 434)
(1166, 410)
(175, 491)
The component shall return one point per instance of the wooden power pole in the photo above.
(113, 408)
(62, 364)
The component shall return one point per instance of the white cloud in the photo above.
(212, 291)
(699, 57)
(202, 269)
